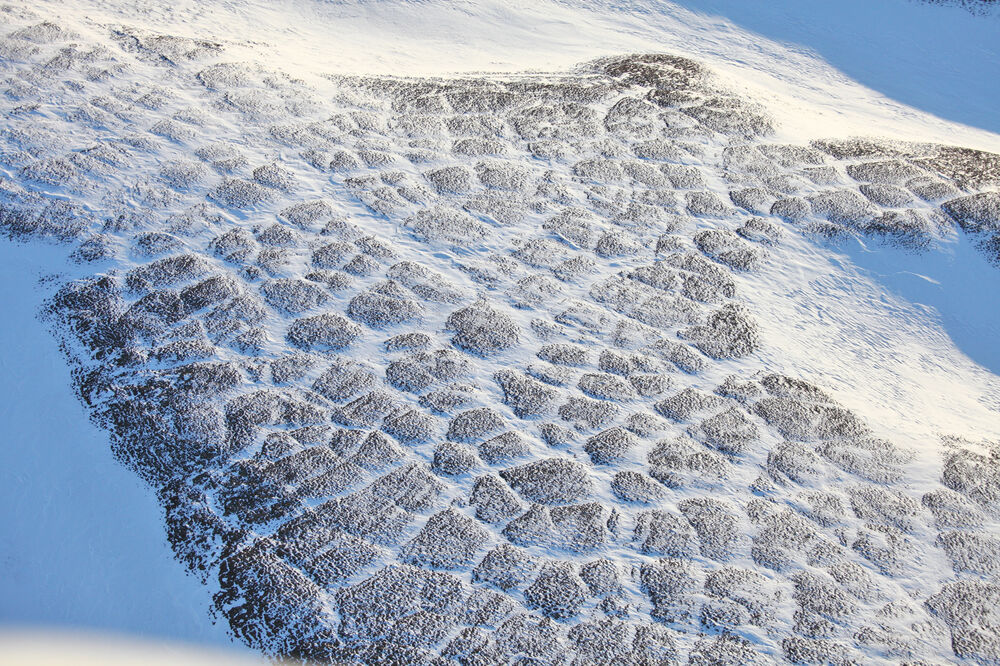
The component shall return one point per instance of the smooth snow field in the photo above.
(83, 546)
(544, 332)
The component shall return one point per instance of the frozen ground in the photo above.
(83, 547)
(31, 647)
(897, 68)
(429, 357)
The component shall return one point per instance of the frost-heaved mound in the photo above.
(458, 370)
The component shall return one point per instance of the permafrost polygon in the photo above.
(442, 370)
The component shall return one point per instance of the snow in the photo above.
(82, 546)
(915, 355)
(903, 69)
(40, 648)
(907, 341)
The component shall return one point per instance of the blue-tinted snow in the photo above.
(81, 538)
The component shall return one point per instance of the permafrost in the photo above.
(441, 370)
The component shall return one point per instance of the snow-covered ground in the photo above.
(32, 647)
(904, 340)
(83, 547)
(897, 68)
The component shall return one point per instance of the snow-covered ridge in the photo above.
(466, 369)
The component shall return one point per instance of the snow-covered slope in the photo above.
(83, 547)
(897, 68)
(629, 360)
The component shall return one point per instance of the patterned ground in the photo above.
(433, 371)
